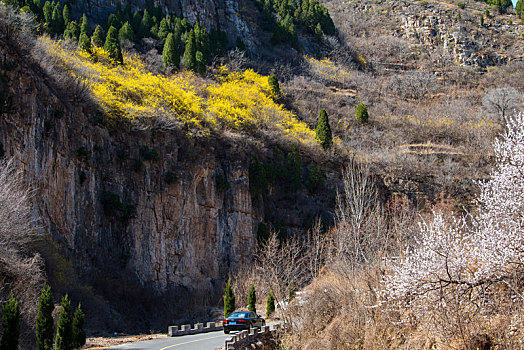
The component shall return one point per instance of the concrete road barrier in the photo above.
(175, 331)
(243, 338)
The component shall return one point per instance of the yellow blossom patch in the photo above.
(236, 101)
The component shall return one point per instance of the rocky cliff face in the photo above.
(439, 28)
(133, 205)
(234, 17)
(150, 218)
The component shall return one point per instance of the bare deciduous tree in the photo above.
(237, 60)
(502, 100)
(20, 272)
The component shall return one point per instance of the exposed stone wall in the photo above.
(113, 212)
(139, 213)
(225, 15)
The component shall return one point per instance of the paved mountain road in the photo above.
(203, 341)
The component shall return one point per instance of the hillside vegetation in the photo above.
(239, 101)
(413, 94)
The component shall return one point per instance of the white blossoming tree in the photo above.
(462, 268)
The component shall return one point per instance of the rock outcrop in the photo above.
(234, 17)
(150, 218)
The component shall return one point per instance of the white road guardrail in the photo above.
(175, 331)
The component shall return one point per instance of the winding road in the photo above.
(203, 341)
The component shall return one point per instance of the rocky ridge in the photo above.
(235, 17)
(443, 27)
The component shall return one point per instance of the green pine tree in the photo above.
(112, 46)
(98, 37)
(274, 86)
(252, 299)
(126, 33)
(164, 29)
(154, 31)
(200, 62)
(362, 113)
(323, 131)
(79, 335)
(114, 21)
(72, 31)
(229, 299)
(270, 306)
(48, 13)
(44, 319)
(84, 26)
(64, 328)
(482, 20)
(145, 25)
(170, 55)
(57, 22)
(10, 324)
(189, 58)
(85, 43)
(66, 14)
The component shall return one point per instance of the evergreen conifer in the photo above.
(362, 113)
(85, 43)
(48, 13)
(79, 335)
(11, 325)
(126, 33)
(98, 37)
(64, 328)
(274, 86)
(84, 26)
(66, 14)
(252, 299)
(164, 28)
(44, 319)
(200, 62)
(114, 21)
(112, 46)
(190, 51)
(72, 31)
(170, 55)
(229, 299)
(323, 131)
(57, 22)
(270, 306)
(36, 7)
(519, 9)
(145, 25)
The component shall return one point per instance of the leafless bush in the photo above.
(237, 60)
(414, 85)
(363, 230)
(153, 61)
(279, 263)
(20, 271)
(502, 100)
(16, 28)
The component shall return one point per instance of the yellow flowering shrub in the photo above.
(236, 101)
